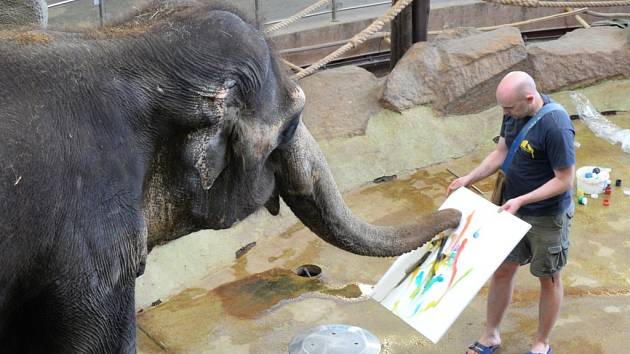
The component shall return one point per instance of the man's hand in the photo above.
(512, 205)
(460, 182)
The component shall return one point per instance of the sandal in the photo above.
(549, 351)
(482, 349)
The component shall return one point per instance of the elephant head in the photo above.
(256, 150)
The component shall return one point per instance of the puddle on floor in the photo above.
(247, 298)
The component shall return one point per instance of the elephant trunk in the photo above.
(307, 186)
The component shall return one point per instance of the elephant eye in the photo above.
(289, 130)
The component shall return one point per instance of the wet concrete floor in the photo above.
(258, 304)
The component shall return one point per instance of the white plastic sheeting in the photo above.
(599, 124)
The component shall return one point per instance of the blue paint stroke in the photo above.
(436, 279)
(419, 278)
(417, 309)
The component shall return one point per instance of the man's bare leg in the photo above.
(499, 298)
(551, 294)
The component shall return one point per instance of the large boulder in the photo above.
(23, 12)
(340, 102)
(580, 57)
(456, 75)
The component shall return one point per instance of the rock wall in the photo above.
(340, 102)
(459, 75)
(448, 73)
(23, 12)
(579, 58)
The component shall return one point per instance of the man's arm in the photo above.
(562, 181)
(488, 166)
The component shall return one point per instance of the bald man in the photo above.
(538, 190)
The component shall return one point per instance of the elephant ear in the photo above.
(206, 147)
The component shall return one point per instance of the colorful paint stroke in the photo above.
(429, 288)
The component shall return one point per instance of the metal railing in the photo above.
(101, 8)
(61, 3)
(334, 10)
(257, 9)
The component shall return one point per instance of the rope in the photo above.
(537, 3)
(291, 65)
(296, 17)
(357, 39)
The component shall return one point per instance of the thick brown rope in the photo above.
(536, 3)
(357, 39)
(296, 17)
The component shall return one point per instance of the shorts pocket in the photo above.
(571, 211)
(559, 220)
(557, 258)
(554, 249)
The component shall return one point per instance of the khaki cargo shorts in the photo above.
(546, 246)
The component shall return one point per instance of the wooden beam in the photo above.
(401, 35)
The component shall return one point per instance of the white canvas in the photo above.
(429, 296)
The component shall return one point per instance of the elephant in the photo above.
(113, 141)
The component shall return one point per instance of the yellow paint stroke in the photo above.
(413, 276)
(431, 304)
(434, 303)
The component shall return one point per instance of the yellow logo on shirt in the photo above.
(527, 148)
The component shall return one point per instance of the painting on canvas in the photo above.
(429, 287)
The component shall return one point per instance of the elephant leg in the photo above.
(79, 321)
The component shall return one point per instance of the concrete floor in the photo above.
(257, 304)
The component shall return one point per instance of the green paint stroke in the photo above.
(462, 276)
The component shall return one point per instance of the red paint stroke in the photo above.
(461, 249)
(458, 246)
(461, 234)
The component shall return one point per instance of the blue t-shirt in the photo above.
(547, 146)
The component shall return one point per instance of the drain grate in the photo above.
(335, 339)
(309, 271)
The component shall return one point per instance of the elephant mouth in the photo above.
(273, 203)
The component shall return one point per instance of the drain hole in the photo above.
(308, 271)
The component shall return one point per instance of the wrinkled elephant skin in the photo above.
(114, 141)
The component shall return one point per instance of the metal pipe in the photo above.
(257, 12)
(334, 11)
(607, 14)
(61, 3)
(338, 10)
(101, 11)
